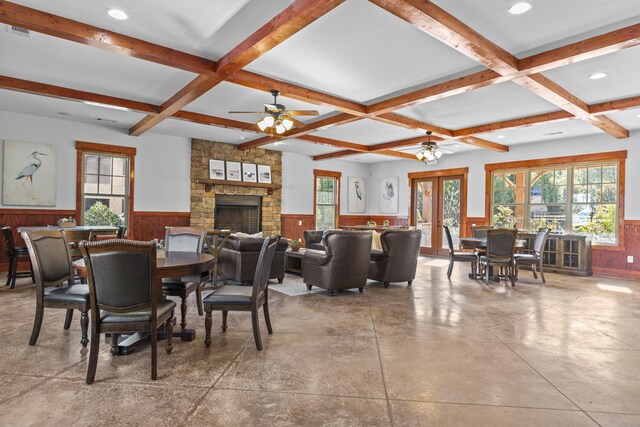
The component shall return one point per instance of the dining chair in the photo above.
(122, 230)
(125, 296)
(535, 257)
(73, 238)
(15, 253)
(184, 239)
(501, 245)
(244, 298)
(55, 283)
(454, 256)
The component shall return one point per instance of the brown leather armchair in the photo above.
(239, 258)
(398, 259)
(313, 239)
(343, 265)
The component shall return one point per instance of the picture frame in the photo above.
(264, 174)
(30, 174)
(356, 194)
(389, 195)
(233, 171)
(249, 172)
(216, 169)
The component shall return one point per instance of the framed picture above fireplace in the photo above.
(216, 169)
(233, 171)
(249, 173)
(264, 174)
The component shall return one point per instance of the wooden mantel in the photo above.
(208, 183)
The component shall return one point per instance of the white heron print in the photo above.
(29, 174)
(389, 195)
(356, 200)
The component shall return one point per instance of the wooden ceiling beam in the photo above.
(514, 123)
(615, 105)
(205, 119)
(346, 153)
(292, 19)
(57, 26)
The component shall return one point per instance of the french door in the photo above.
(438, 201)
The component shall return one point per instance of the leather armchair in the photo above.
(343, 265)
(398, 259)
(313, 239)
(239, 258)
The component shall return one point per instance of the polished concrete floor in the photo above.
(439, 353)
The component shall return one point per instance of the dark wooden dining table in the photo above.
(171, 264)
(481, 243)
(96, 229)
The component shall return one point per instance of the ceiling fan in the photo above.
(277, 117)
(429, 151)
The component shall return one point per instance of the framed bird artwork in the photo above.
(29, 174)
(356, 194)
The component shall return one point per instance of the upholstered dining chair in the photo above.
(454, 255)
(184, 239)
(125, 296)
(535, 257)
(501, 245)
(244, 298)
(73, 238)
(15, 253)
(52, 268)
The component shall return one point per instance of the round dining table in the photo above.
(168, 264)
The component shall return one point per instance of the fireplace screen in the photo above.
(238, 213)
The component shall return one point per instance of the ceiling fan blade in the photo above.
(272, 107)
(296, 122)
(247, 112)
(303, 113)
(445, 151)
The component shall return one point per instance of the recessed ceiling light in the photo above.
(520, 8)
(501, 136)
(117, 14)
(100, 104)
(597, 76)
(243, 137)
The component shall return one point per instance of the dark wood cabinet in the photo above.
(564, 253)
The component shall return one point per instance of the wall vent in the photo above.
(100, 119)
(18, 31)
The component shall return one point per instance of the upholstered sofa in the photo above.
(398, 260)
(239, 258)
(343, 264)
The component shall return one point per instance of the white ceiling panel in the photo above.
(59, 62)
(231, 97)
(200, 131)
(368, 132)
(493, 103)
(370, 158)
(544, 132)
(299, 146)
(25, 103)
(360, 52)
(629, 119)
(622, 69)
(551, 23)
(208, 28)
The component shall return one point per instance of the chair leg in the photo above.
(450, 270)
(10, 272)
(386, 284)
(93, 357)
(255, 323)
(183, 313)
(114, 344)
(154, 354)
(37, 325)
(67, 319)
(486, 274)
(224, 320)
(14, 271)
(267, 319)
(533, 268)
(84, 327)
(510, 271)
(199, 299)
(410, 282)
(542, 272)
(207, 328)
(280, 279)
(169, 328)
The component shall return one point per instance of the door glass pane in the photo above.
(451, 210)
(424, 212)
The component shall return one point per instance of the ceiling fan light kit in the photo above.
(430, 153)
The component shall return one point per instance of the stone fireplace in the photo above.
(204, 204)
(239, 213)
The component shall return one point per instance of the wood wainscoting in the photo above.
(351, 220)
(146, 225)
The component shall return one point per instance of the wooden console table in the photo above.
(563, 253)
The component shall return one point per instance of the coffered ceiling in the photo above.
(378, 72)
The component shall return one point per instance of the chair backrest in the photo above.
(76, 236)
(541, 239)
(50, 258)
(263, 268)
(121, 275)
(7, 235)
(184, 239)
(312, 236)
(480, 232)
(501, 242)
(449, 239)
(121, 232)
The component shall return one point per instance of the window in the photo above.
(580, 198)
(105, 184)
(327, 195)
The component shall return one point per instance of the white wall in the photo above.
(297, 182)
(476, 159)
(162, 162)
